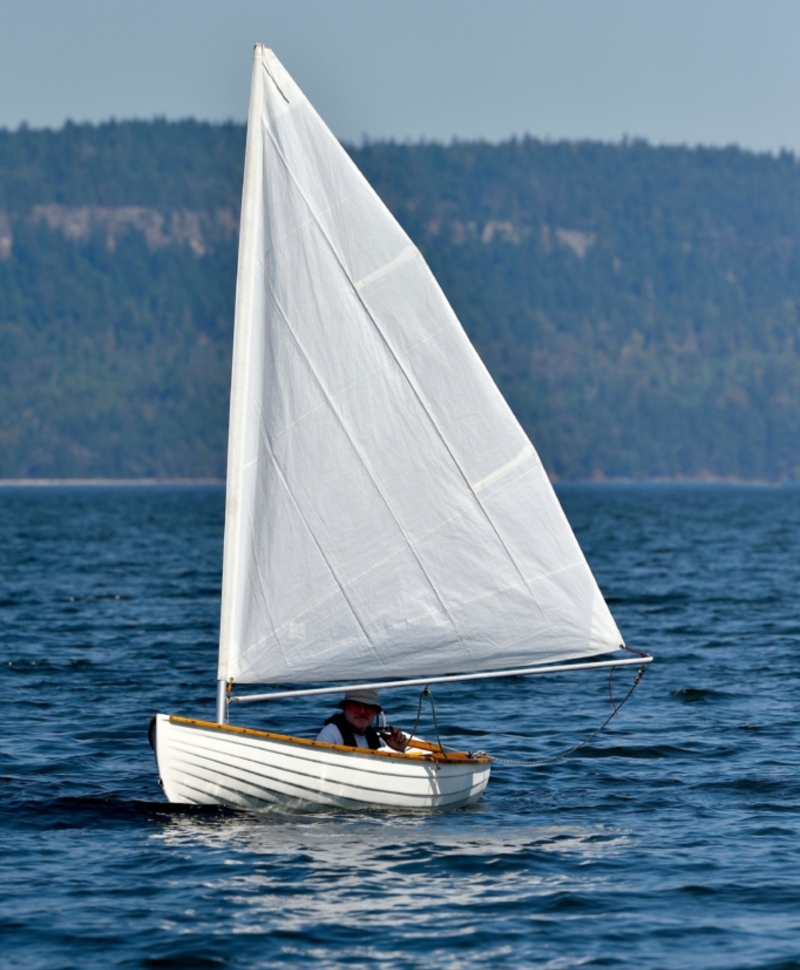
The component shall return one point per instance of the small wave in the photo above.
(649, 599)
(99, 598)
(66, 812)
(698, 695)
(763, 786)
(630, 751)
(698, 890)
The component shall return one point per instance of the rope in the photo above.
(426, 692)
(574, 748)
(423, 692)
(435, 725)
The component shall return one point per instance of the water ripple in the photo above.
(671, 840)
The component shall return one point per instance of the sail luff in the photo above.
(244, 318)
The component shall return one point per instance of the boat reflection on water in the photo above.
(331, 875)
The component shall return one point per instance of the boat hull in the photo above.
(202, 763)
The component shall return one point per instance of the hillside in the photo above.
(637, 305)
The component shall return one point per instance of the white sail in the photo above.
(386, 514)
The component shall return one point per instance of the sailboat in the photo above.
(387, 520)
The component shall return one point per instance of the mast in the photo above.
(222, 702)
(246, 316)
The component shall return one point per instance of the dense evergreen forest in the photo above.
(637, 305)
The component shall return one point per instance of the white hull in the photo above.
(202, 763)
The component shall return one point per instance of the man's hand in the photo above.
(396, 739)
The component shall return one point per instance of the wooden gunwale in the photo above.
(434, 752)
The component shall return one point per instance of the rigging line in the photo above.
(271, 76)
(426, 692)
(435, 725)
(574, 748)
(419, 711)
(610, 691)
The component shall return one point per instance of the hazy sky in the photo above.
(672, 71)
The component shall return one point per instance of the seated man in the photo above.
(353, 726)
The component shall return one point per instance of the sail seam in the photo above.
(579, 563)
(527, 452)
(314, 218)
(262, 585)
(244, 653)
(449, 450)
(512, 586)
(365, 465)
(409, 253)
(420, 399)
(333, 395)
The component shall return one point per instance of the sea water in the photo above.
(670, 840)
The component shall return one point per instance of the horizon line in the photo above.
(149, 482)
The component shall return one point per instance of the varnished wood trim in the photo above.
(434, 752)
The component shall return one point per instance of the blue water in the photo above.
(670, 841)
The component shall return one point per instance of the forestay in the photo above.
(387, 516)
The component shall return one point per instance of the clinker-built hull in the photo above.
(203, 763)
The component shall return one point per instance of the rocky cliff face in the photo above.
(200, 230)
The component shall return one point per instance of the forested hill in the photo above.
(637, 305)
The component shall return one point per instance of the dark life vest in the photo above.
(349, 735)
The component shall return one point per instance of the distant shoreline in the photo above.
(155, 482)
(104, 482)
(682, 480)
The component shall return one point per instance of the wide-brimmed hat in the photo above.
(364, 696)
